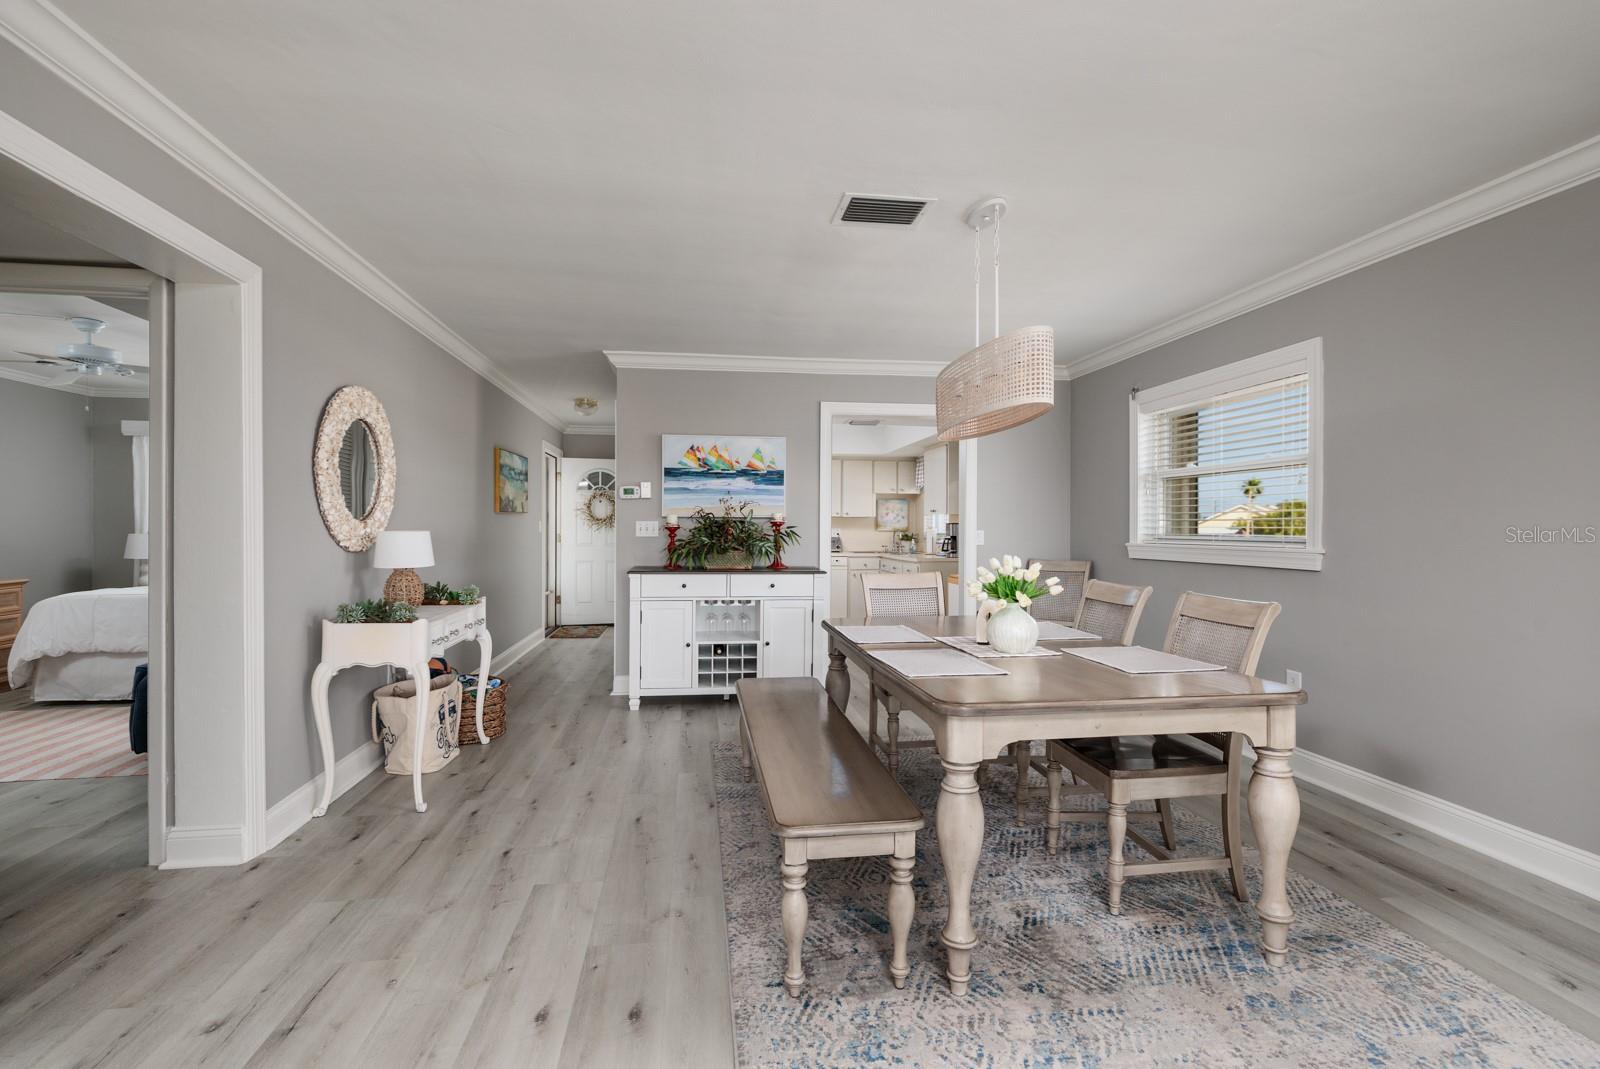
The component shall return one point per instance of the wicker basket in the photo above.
(494, 713)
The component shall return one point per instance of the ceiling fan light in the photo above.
(1001, 384)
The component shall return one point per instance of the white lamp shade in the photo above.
(137, 547)
(403, 549)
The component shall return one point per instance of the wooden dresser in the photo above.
(10, 622)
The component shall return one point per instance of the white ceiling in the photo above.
(557, 178)
(44, 325)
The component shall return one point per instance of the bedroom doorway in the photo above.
(83, 412)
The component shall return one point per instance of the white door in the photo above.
(666, 644)
(550, 527)
(786, 638)
(588, 554)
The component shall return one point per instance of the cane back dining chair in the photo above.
(1163, 767)
(1110, 610)
(911, 594)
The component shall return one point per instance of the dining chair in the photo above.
(1062, 607)
(910, 594)
(1110, 610)
(1163, 767)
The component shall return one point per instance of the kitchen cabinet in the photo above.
(857, 497)
(895, 477)
(786, 637)
(836, 489)
(838, 586)
(906, 476)
(935, 475)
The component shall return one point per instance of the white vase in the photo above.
(1013, 631)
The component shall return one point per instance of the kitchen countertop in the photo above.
(924, 557)
(652, 569)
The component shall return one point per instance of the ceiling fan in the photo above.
(78, 359)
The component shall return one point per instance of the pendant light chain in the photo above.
(997, 274)
(977, 287)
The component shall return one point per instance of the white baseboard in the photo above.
(290, 813)
(502, 662)
(619, 686)
(205, 846)
(1529, 851)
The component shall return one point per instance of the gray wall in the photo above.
(46, 490)
(321, 334)
(113, 486)
(1461, 387)
(1023, 506)
(598, 446)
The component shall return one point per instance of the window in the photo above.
(1226, 465)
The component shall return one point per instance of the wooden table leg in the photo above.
(959, 824)
(320, 678)
(838, 684)
(1274, 816)
(485, 655)
(892, 704)
(424, 726)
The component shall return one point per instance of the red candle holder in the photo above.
(777, 547)
(672, 546)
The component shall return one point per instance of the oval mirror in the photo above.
(353, 468)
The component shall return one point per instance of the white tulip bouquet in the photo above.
(1007, 580)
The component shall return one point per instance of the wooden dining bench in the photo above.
(827, 795)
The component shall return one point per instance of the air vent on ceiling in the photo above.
(857, 209)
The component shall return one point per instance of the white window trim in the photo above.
(1301, 358)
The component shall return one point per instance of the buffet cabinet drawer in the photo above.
(769, 585)
(683, 585)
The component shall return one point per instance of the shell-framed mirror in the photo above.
(353, 468)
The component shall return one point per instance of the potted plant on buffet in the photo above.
(730, 537)
(1008, 589)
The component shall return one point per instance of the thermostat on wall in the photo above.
(629, 493)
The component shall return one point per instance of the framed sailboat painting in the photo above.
(699, 470)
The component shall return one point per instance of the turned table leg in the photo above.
(1275, 816)
(838, 682)
(901, 904)
(794, 924)
(1052, 810)
(1116, 833)
(959, 825)
(892, 704)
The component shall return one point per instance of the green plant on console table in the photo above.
(375, 612)
(730, 531)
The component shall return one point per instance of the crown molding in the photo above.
(601, 429)
(1555, 173)
(781, 365)
(52, 39)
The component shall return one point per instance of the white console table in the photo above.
(408, 646)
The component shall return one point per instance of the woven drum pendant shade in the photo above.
(1003, 383)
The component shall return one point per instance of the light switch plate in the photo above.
(1292, 678)
(646, 528)
(977, 538)
(644, 489)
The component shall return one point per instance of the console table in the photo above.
(408, 646)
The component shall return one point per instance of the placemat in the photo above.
(1051, 629)
(968, 644)
(871, 634)
(914, 663)
(1137, 660)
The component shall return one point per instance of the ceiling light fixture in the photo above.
(1006, 381)
(585, 405)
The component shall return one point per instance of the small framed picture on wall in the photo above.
(510, 481)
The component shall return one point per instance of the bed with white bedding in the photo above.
(83, 646)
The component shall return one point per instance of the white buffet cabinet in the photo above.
(701, 632)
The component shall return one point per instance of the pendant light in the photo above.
(1006, 381)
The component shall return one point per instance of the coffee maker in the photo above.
(949, 543)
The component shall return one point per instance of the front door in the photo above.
(588, 556)
(550, 531)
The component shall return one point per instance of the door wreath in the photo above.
(599, 508)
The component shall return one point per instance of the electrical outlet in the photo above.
(1292, 678)
(977, 538)
(646, 528)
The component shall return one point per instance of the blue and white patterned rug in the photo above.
(1057, 981)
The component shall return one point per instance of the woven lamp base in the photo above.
(403, 584)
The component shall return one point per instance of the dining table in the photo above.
(973, 718)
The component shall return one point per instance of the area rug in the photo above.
(1057, 981)
(66, 741)
(579, 631)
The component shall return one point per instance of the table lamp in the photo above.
(404, 552)
(137, 549)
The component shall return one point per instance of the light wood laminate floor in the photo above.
(559, 904)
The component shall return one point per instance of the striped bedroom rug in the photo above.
(66, 741)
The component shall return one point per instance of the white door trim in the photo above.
(550, 551)
(218, 702)
(967, 454)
